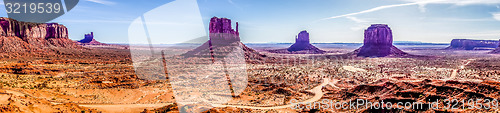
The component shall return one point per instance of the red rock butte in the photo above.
(378, 43)
(223, 39)
(302, 45)
(89, 40)
(18, 36)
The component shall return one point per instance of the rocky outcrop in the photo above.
(224, 41)
(302, 45)
(17, 36)
(496, 51)
(466, 44)
(378, 43)
(89, 40)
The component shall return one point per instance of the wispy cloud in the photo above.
(105, 2)
(496, 16)
(357, 20)
(421, 4)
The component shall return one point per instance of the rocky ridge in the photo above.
(21, 37)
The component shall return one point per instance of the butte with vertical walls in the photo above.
(378, 43)
(496, 51)
(302, 45)
(223, 39)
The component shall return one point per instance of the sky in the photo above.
(264, 21)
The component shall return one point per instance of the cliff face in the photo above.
(378, 43)
(221, 29)
(471, 44)
(17, 36)
(88, 38)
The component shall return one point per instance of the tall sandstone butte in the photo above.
(302, 43)
(378, 43)
(17, 36)
(223, 40)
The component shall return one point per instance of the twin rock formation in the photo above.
(22, 37)
(302, 45)
(89, 40)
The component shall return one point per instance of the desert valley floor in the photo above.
(103, 79)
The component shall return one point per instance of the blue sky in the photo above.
(281, 20)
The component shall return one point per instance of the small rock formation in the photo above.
(89, 40)
(302, 45)
(17, 36)
(496, 51)
(378, 43)
(222, 41)
(467, 44)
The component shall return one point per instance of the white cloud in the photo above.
(496, 16)
(357, 20)
(105, 2)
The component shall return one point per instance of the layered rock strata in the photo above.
(466, 44)
(17, 36)
(302, 45)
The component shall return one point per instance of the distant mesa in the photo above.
(466, 44)
(89, 40)
(378, 43)
(302, 45)
(224, 40)
(496, 51)
(17, 36)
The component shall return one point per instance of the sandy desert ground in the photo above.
(100, 79)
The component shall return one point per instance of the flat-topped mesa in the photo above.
(10, 27)
(18, 36)
(472, 44)
(221, 29)
(378, 43)
(496, 51)
(302, 45)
